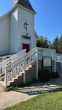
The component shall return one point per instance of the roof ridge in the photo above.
(26, 4)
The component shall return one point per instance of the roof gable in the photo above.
(26, 4)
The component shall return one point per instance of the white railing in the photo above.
(59, 58)
(9, 67)
(16, 65)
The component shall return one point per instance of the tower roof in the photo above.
(26, 4)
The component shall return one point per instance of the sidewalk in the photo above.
(11, 98)
(8, 99)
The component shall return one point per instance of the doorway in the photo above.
(26, 46)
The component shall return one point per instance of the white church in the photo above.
(17, 28)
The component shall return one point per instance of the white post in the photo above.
(24, 78)
(30, 57)
(5, 80)
(54, 63)
(36, 64)
(11, 72)
(24, 69)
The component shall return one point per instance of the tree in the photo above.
(60, 45)
(57, 44)
(45, 43)
(42, 42)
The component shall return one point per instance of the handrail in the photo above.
(16, 64)
(59, 58)
(8, 64)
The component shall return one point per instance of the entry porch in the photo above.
(24, 67)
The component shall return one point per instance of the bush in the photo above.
(54, 75)
(45, 75)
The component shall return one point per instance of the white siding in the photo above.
(4, 35)
(14, 31)
(26, 16)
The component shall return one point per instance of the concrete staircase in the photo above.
(19, 69)
(19, 80)
(24, 78)
(22, 68)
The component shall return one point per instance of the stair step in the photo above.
(19, 78)
(30, 66)
(2, 89)
(17, 82)
(27, 69)
(2, 86)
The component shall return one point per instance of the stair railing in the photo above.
(13, 66)
(32, 57)
(16, 65)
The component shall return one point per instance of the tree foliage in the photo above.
(57, 44)
(45, 43)
(42, 42)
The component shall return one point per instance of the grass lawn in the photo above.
(46, 101)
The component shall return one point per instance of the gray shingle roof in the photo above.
(26, 4)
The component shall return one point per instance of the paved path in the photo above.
(22, 94)
(11, 98)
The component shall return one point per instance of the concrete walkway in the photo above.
(8, 99)
(11, 98)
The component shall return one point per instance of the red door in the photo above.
(26, 46)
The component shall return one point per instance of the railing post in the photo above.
(36, 64)
(5, 80)
(24, 68)
(30, 56)
(24, 77)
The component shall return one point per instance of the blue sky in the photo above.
(48, 20)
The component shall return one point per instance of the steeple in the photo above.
(14, 1)
(26, 4)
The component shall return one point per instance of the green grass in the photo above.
(46, 101)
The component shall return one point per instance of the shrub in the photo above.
(45, 75)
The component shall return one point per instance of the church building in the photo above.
(17, 28)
